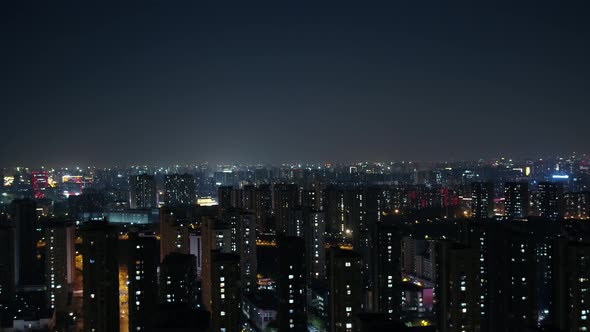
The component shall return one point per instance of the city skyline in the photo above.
(501, 245)
(300, 164)
(214, 246)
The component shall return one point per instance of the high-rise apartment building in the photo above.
(142, 267)
(315, 248)
(571, 286)
(291, 284)
(101, 277)
(215, 236)
(482, 200)
(60, 255)
(247, 252)
(142, 192)
(516, 200)
(225, 291)
(179, 190)
(550, 200)
(178, 279)
(285, 198)
(386, 270)
(174, 233)
(345, 284)
(457, 288)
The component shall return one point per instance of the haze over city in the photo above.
(266, 82)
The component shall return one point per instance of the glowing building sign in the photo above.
(40, 184)
(560, 177)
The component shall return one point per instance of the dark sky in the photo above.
(287, 81)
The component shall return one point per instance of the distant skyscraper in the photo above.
(249, 198)
(335, 209)
(357, 215)
(374, 201)
(142, 264)
(179, 190)
(237, 198)
(59, 263)
(225, 292)
(230, 218)
(551, 204)
(101, 277)
(482, 200)
(315, 248)
(345, 283)
(516, 200)
(174, 235)
(142, 192)
(284, 200)
(263, 208)
(309, 199)
(291, 284)
(577, 205)
(247, 251)
(224, 198)
(298, 218)
(457, 288)
(178, 279)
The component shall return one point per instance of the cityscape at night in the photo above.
(487, 245)
(208, 166)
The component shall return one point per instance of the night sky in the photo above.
(249, 81)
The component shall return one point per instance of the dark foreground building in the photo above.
(101, 277)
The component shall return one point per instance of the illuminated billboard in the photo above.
(40, 183)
